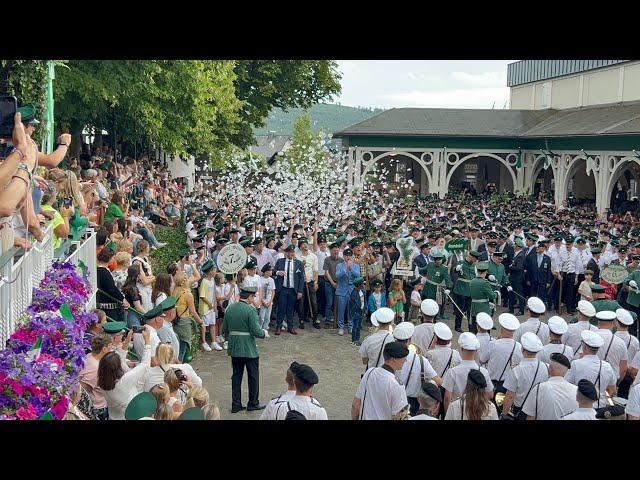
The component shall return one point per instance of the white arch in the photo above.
(573, 168)
(617, 172)
(372, 162)
(538, 164)
(475, 155)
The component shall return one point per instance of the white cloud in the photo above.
(455, 98)
(347, 65)
(480, 80)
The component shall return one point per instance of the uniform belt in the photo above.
(479, 300)
(434, 283)
(107, 306)
(240, 333)
(463, 280)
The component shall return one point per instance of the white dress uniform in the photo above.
(572, 337)
(373, 345)
(442, 358)
(588, 367)
(423, 416)
(533, 325)
(613, 351)
(381, 395)
(635, 363)
(631, 342)
(422, 336)
(551, 400)
(581, 414)
(529, 372)
(411, 373)
(633, 404)
(496, 355)
(549, 349)
(455, 412)
(275, 404)
(484, 339)
(307, 406)
(455, 379)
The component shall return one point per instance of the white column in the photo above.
(442, 182)
(358, 171)
(350, 170)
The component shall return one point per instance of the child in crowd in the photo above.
(357, 310)
(268, 288)
(377, 299)
(416, 300)
(585, 286)
(207, 303)
(397, 299)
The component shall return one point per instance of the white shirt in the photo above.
(372, 347)
(496, 355)
(307, 406)
(442, 358)
(572, 337)
(310, 262)
(614, 354)
(291, 266)
(275, 404)
(633, 404)
(154, 341)
(410, 373)
(254, 280)
(129, 385)
(533, 325)
(423, 416)
(454, 412)
(581, 414)
(635, 363)
(321, 255)
(455, 379)
(544, 355)
(268, 286)
(384, 398)
(521, 378)
(588, 367)
(631, 343)
(551, 400)
(422, 336)
(569, 261)
(156, 375)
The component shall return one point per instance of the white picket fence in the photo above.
(19, 278)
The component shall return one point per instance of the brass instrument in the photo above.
(415, 349)
(499, 398)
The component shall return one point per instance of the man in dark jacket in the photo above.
(538, 276)
(593, 264)
(289, 287)
(516, 276)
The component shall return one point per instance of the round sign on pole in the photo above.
(232, 258)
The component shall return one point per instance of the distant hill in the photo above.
(328, 117)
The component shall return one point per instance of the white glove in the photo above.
(266, 334)
(447, 291)
(492, 278)
(458, 268)
(633, 284)
(509, 288)
(492, 305)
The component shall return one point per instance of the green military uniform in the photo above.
(435, 275)
(498, 271)
(465, 276)
(240, 327)
(481, 293)
(633, 297)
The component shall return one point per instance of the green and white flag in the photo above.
(547, 161)
(589, 163)
(65, 312)
(34, 352)
(519, 159)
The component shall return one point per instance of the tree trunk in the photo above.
(97, 141)
(76, 140)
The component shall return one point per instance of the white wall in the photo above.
(178, 168)
(613, 84)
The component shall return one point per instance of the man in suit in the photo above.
(474, 242)
(592, 264)
(346, 272)
(538, 276)
(529, 255)
(423, 259)
(486, 255)
(507, 250)
(289, 287)
(516, 276)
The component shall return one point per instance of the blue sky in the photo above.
(424, 83)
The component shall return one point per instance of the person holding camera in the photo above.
(120, 387)
(154, 318)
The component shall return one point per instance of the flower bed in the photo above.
(35, 385)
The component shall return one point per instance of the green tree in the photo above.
(182, 106)
(27, 81)
(266, 84)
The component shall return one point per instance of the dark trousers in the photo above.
(464, 303)
(569, 291)
(539, 290)
(320, 296)
(518, 288)
(252, 365)
(414, 406)
(355, 330)
(286, 306)
(554, 295)
(307, 305)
